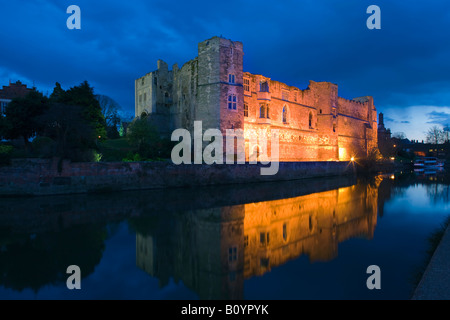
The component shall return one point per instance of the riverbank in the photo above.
(38, 177)
(435, 281)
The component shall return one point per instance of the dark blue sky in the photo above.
(405, 65)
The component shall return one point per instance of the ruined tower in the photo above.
(220, 91)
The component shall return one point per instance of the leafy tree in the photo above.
(3, 126)
(82, 96)
(49, 254)
(74, 136)
(143, 136)
(21, 116)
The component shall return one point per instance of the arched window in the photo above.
(262, 111)
(310, 120)
(284, 114)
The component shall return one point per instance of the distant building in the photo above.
(314, 124)
(385, 144)
(14, 90)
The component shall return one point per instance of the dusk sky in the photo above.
(405, 65)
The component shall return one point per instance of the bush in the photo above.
(44, 147)
(133, 157)
(5, 155)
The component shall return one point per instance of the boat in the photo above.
(428, 165)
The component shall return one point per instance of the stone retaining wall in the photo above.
(46, 177)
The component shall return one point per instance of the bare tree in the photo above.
(446, 134)
(110, 109)
(435, 135)
(399, 135)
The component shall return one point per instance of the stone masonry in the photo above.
(314, 124)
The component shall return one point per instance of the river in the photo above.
(305, 239)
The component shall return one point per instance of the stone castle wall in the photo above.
(314, 124)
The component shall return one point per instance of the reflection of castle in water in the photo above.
(213, 250)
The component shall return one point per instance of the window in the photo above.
(264, 86)
(246, 84)
(143, 81)
(295, 96)
(140, 98)
(334, 127)
(264, 238)
(245, 109)
(245, 241)
(145, 97)
(284, 114)
(264, 263)
(284, 231)
(231, 78)
(155, 80)
(310, 120)
(232, 102)
(262, 111)
(232, 254)
(285, 95)
(3, 105)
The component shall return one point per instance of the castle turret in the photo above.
(220, 81)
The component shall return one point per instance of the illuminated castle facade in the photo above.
(314, 124)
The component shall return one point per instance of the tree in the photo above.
(144, 136)
(3, 126)
(446, 134)
(399, 135)
(110, 110)
(82, 96)
(434, 135)
(21, 116)
(74, 121)
(74, 136)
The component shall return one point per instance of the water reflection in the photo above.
(213, 250)
(210, 239)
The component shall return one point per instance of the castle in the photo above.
(314, 124)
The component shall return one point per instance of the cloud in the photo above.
(403, 64)
(439, 117)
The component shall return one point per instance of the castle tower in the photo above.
(326, 104)
(220, 84)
